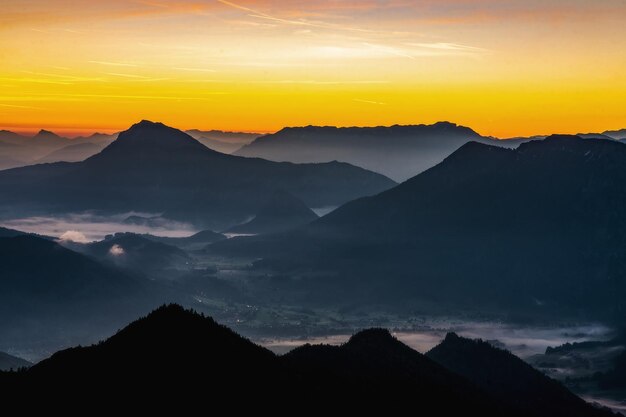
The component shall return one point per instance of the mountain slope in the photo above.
(138, 253)
(49, 294)
(398, 152)
(224, 142)
(155, 168)
(532, 230)
(175, 356)
(616, 134)
(72, 153)
(8, 362)
(281, 212)
(508, 378)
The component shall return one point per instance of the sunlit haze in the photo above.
(505, 68)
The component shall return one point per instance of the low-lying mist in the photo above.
(88, 227)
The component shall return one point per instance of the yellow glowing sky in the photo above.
(503, 67)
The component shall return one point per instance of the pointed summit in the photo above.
(148, 139)
(45, 134)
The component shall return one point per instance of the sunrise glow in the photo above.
(504, 68)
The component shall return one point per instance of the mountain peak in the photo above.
(45, 134)
(151, 138)
(372, 337)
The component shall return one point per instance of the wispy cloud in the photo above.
(322, 82)
(120, 74)
(114, 64)
(194, 69)
(15, 106)
(379, 103)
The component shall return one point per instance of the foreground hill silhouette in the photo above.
(172, 356)
(398, 152)
(503, 375)
(155, 168)
(535, 230)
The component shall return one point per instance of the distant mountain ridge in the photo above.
(159, 169)
(399, 152)
(221, 141)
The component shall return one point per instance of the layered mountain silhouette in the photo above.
(155, 168)
(46, 290)
(399, 152)
(46, 147)
(531, 230)
(615, 378)
(73, 153)
(161, 352)
(10, 362)
(220, 141)
(282, 211)
(503, 375)
(616, 134)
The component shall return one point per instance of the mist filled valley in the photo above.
(339, 206)
(484, 245)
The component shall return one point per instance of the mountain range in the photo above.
(155, 168)
(399, 152)
(45, 147)
(220, 141)
(161, 352)
(533, 230)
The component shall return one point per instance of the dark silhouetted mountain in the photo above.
(72, 153)
(594, 136)
(48, 292)
(6, 136)
(47, 147)
(162, 353)
(398, 152)
(376, 365)
(143, 255)
(224, 142)
(10, 362)
(194, 242)
(508, 378)
(533, 230)
(4, 232)
(37, 271)
(616, 134)
(282, 211)
(616, 377)
(155, 168)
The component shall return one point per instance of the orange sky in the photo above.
(502, 67)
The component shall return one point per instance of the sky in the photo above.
(502, 67)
